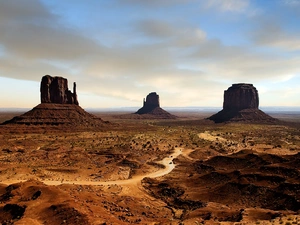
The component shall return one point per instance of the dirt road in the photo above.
(167, 162)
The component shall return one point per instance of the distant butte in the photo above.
(151, 107)
(59, 106)
(241, 104)
(151, 102)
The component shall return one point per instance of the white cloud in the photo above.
(292, 2)
(174, 56)
(169, 32)
(155, 3)
(271, 34)
(228, 5)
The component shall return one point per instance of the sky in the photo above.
(118, 51)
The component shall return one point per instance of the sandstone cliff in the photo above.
(55, 90)
(241, 96)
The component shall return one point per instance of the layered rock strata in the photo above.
(57, 115)
(59, 107)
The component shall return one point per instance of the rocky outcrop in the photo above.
(58, 115)
(152, 102)
(151, 108)
(241, 96)
(59, 107)
(55, 90)
(241, 104)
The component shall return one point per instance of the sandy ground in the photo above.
(212, 174)
(166, 162)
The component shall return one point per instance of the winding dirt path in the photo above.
(167, 162)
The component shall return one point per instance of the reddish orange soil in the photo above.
(211, 174)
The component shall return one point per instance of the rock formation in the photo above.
(58, 115)
(240, 104)
(55, 90)
(152, 108)
(241, 96)
(152, 101)
(59, 106)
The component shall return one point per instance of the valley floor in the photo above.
(184, 171)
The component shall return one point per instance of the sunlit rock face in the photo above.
(55, 90)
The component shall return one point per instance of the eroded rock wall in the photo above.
(241, 96)
(55, 90)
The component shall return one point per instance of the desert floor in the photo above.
(139, 171)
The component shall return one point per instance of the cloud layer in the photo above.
(186, 51)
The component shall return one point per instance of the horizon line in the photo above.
(296, 108)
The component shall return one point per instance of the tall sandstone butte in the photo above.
(240, 96)
(151, 107)
(241, 104)
(59, 106)
(55, 90)
(152, 102)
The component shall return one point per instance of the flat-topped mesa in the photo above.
(55, 90)
(241, 96)
(241, 104)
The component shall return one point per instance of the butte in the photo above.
(151, 108)
(58, 107)
(241, 105)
